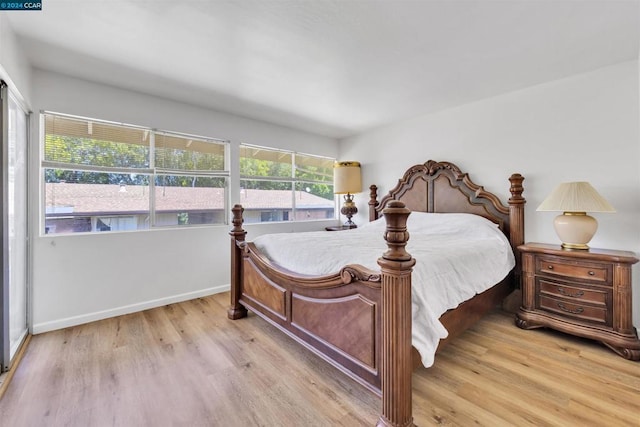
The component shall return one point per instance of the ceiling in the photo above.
(332, 67)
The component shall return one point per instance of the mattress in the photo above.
(457, 256)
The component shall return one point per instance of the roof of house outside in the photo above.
(67, 198)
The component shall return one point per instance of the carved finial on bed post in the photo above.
(236, 310)
(396, 351)
(373, 202)
(516, 187)
(237, 221)
(396, 235)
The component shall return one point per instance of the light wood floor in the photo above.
(187, 365)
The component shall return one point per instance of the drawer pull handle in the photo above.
(551, 267)
(568, 310)
(591, 273)
(578, 294)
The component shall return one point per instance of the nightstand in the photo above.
(580, 292)
(341, 227)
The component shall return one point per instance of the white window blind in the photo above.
(279, 185)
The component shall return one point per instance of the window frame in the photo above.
(293, 179)
(152, 172)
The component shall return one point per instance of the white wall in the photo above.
(14, 68)
(81, 278)
(585, 127)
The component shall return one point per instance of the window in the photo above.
(279, 185)
(101, 176)
(187, 190)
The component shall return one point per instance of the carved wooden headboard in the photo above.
(441, 187)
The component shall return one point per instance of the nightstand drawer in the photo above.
(562, 267)
(591, 295)
(579, 311)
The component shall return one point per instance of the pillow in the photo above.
(378, 225)
(452, 223)
(442, 223)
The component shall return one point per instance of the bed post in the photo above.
(516, 220)
(396, 356)
(236, 310)
(516, 211)
(373, 203)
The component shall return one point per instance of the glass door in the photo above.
(14, 226)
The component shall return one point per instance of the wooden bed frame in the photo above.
(359, 320)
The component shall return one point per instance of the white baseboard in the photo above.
(53, 325)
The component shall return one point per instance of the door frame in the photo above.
(6, 354)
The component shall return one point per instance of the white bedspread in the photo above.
(458, 256)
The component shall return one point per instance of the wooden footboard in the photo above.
(358, 320)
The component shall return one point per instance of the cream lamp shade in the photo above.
(574, 227)
(347, 180)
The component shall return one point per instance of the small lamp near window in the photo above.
(574, 227)
(347, 180)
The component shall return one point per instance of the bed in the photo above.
(359, 318)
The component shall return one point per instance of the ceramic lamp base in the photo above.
(575, 229)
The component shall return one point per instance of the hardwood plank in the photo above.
(434, 402)
(187, 364)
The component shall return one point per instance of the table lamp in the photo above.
(347, 180)
(574, 227)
